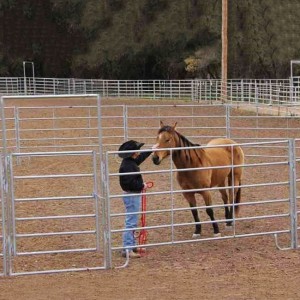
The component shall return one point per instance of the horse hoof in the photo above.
(196, 236)
(217, 234)
(228, 227)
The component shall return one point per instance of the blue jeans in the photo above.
(132, 205)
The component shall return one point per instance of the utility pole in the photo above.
(224, 50)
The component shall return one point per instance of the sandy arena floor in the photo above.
(244, 268)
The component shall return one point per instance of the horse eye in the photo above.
(167, 141)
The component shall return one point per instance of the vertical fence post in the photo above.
(192, 90)
(172, 196)
(125, 121)
(103, 191)
(17, 128)
(4, 234)
(293, 193)
(106, 213)
(24, 78)
(242, 90)
(199, 92)
(228, 134)
(6, 203)
(291, 89)
(270, 91)
(96, 198)
(12, 218)
(256, 92)
(69, 86)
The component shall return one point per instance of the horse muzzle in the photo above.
(155, 159)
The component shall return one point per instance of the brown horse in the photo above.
(224, 156)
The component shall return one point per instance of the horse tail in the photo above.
(238, 199)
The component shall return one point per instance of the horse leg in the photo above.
(207, 198)
(225, 200)
(191, 199)
(233, 193)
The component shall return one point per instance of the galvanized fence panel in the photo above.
(263, 91)
(207, 90)
(59, 127)
(11, 85)
(168, 89)
(169, 221)
(49, 223)
(62, 127)
(269, 92)
(248, 123)
(197, 120)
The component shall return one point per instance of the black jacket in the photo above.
(132, 183)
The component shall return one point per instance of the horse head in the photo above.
(165, 139)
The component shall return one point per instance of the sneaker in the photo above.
(134, 255)
(131, 254)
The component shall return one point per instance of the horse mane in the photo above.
(184, 142)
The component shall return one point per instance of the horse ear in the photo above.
(162, 124)
(175, 124)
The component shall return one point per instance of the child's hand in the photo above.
(148, 185)
(154, 147)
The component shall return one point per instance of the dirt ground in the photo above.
(238, 269)
(241, 268)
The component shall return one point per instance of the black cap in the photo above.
(130, 145)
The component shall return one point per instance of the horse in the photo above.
(227, 156)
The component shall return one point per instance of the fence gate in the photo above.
(52, 213)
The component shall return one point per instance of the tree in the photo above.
(263, 37)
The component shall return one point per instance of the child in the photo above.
(131, 184)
